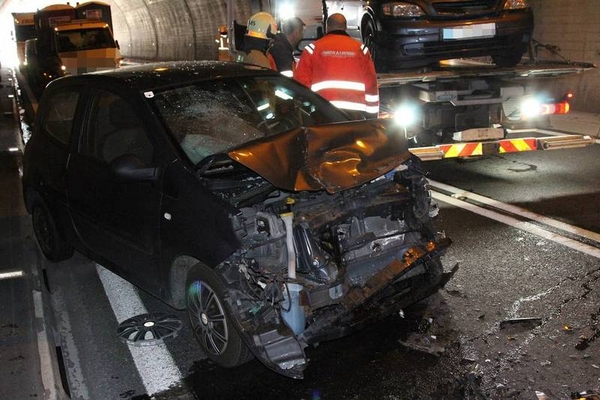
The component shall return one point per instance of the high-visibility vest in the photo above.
(340, 69)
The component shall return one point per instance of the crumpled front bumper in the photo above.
(279, 349)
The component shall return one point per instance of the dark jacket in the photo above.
(282, 52)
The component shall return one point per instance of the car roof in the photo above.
(163, 74)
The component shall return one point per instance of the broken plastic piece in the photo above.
(587, 395)
(514, 321)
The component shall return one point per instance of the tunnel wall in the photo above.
(172, 29)
(573, 26)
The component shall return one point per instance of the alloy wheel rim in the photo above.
(207, 315)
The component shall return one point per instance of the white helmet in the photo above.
(262, 25)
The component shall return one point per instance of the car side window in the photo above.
(59, 116)
(113, 129)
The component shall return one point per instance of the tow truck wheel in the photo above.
(211, 321)
(50, 240)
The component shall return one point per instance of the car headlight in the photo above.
(515, 4)
(402, 9)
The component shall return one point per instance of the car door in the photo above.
(49, 148)
(116, 220)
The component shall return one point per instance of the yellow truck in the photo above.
(69, 40)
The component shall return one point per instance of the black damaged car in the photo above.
(238, 194)
(414, 33)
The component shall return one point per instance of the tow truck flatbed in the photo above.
(469, 108)
(462, 69)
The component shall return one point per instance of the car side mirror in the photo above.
(129, 168)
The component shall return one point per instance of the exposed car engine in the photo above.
(338, 264)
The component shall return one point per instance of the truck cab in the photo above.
(85, 46)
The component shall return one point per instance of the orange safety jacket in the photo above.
(340, 69)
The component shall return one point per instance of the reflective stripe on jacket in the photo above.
(341, 70)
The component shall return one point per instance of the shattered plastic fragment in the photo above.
(513, 321)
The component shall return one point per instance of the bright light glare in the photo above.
(11, 274)
(286, 11)
(263, 107)
(406, 115)
(283, 95)
(531, 108)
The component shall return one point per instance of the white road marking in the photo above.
(77, 385)
(460, 193)
(154, 363)
(46, 365)
(525, 226)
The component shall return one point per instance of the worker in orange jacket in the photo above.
(340, 69)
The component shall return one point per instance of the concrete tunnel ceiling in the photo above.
(160, 29)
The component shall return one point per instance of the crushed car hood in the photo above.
(333, 157)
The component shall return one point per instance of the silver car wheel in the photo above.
(208, 318)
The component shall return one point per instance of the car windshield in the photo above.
(210, 117)
(84, 39)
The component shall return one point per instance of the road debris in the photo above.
(583, 343)
(541, 395)
(587, 395)
(520, 321)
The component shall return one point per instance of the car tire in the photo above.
(211, 320)
(50, 240)
(369, 39)
(508, 60)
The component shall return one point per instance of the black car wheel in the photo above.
(50, 240)
(369, 40)
(211, 321)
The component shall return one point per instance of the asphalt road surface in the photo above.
(519, 316)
